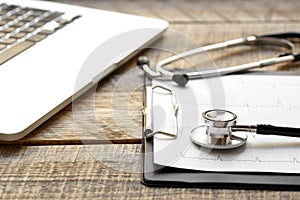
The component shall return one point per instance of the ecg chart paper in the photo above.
(255, 98)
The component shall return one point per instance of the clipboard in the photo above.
(164, 176)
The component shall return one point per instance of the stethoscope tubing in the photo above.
(266, 129)
(278, 40)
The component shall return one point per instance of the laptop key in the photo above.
(29, 29)
(36, 38)
(15, 50)
(8, 41)
(52, 16)
(9, 29)
(18, 24)
(28, 19)
(46, 32)
(19, 35)
(38, 24)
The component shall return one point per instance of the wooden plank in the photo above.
(205, 10)
(111, 113)
(95, 171)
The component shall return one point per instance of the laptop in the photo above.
(51, 52)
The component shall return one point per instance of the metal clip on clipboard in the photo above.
(148, 112)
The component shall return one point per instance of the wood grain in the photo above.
(95, 171)
(204, 11)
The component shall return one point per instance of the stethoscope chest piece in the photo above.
(217, 131)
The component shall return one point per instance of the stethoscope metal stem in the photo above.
(244, 128)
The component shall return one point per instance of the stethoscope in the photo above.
(217, 133)
(275, 40)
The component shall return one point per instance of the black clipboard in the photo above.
(162, 176)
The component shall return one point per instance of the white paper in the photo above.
(256, 99)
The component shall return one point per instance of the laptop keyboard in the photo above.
(22, 27)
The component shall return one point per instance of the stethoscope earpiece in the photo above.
(180, 79)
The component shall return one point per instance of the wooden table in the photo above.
(92, 149)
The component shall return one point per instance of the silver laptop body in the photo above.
(50, 52)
